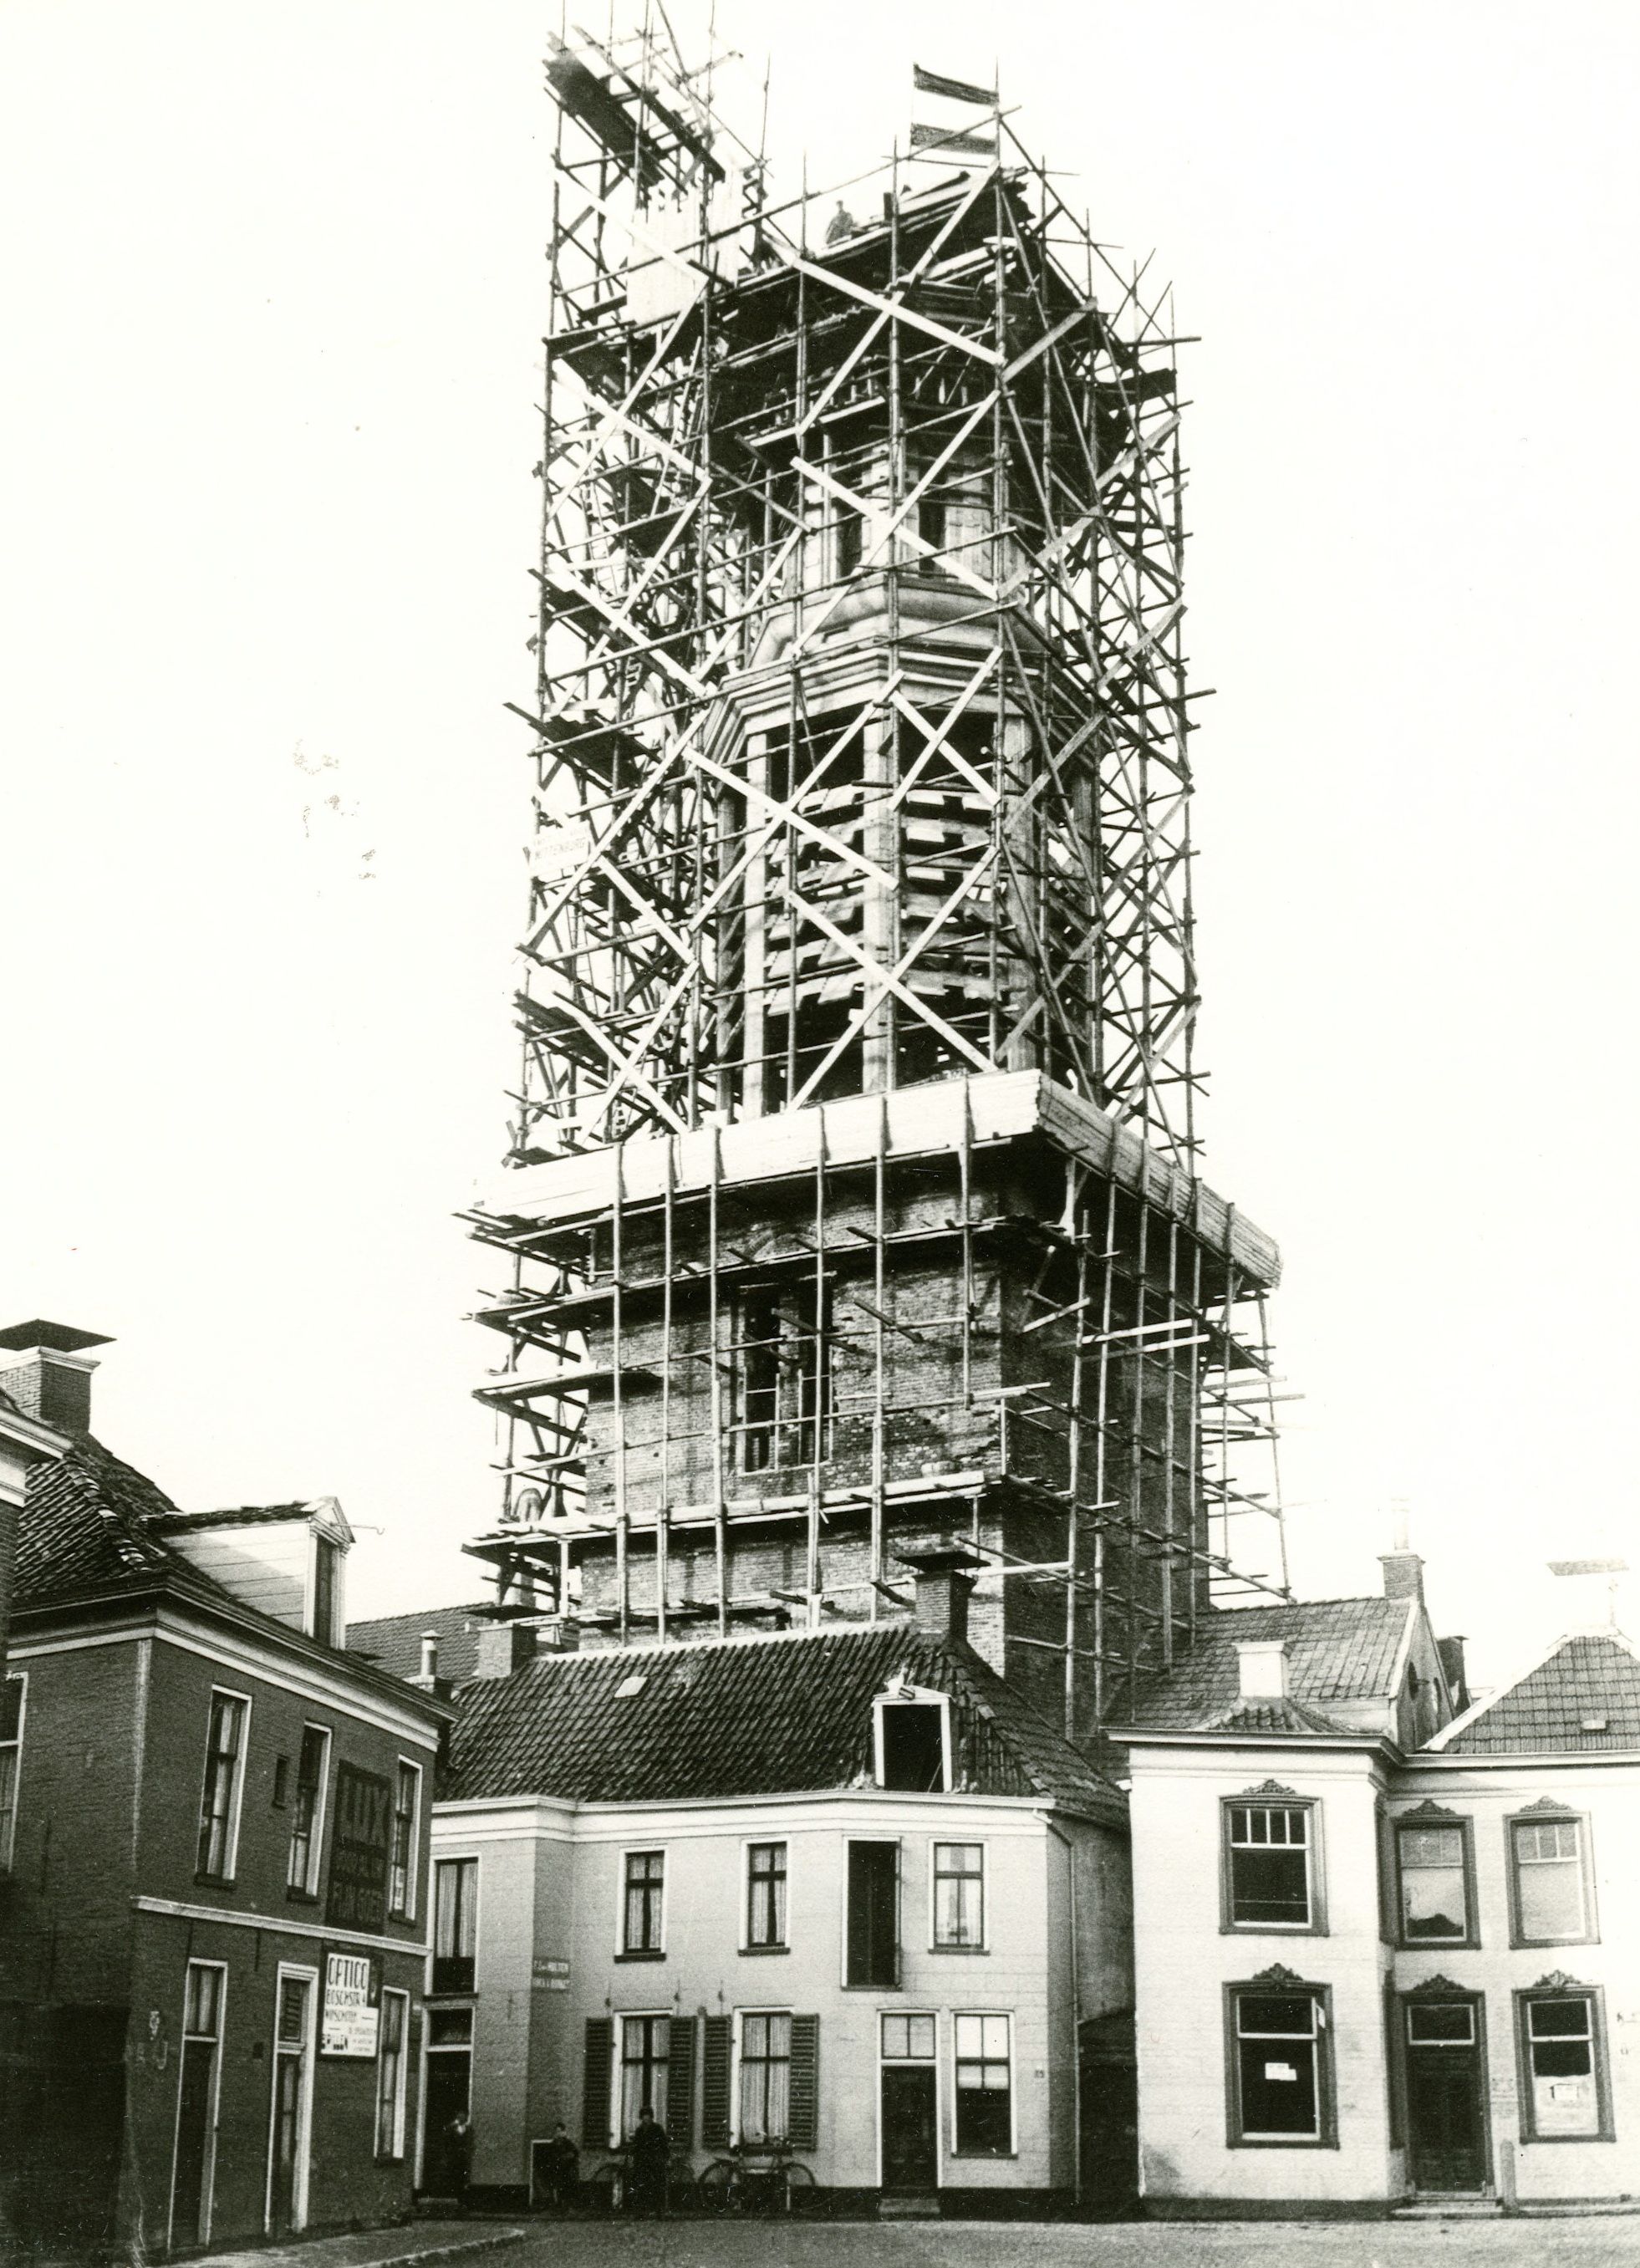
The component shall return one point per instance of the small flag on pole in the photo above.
(957, 138)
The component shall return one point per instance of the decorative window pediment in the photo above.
(1557, 1981)
(1550, 1803)
(1277, 1973)
(1429, 1809)
(1270, 1787)
(1437, 1988)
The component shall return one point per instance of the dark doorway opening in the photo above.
(1108, 2101)
(446, 2154)
(1446, 2113)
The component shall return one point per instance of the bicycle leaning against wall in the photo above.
(763, 2178)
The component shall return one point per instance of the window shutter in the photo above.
(805, 2112)
(715, 2063)
(601, 2047)
(680, 2082)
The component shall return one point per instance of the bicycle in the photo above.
(739, 2183)
(610, 2188)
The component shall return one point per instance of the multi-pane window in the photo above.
(455, 1923)
(1434, 1876)
(959, 1894)
(1560, 2049)
(643, 1905)
(11, 1697)
(984, 2086)
(785, 1379)
(308, 1811)
(401, 1871)
(193, 2161)
(1269, 1869)
(1279, 2066)
(765, 1893)
(908, 2039)
(219, 1800)
(390, 2075)
(646, 2046)
(1550, 1881)
(765, 2078)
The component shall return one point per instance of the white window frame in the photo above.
(451, 1859)
(396, 2155)
(762, 1843)
(305, 2115)
(307, 1887)
(652, 1953)
(230, 1856)
(944, 2115)
(8, 1832)
(907, 1696)
(208, 2183)
(1007, 2016)
(936, 1844)
(755, 2009)
(412, 1865)
(620, 2019)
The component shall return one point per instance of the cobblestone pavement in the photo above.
(1604, 2243)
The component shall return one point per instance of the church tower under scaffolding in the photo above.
(852, 1211)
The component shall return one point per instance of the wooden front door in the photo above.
(1446, 2118)
(287, 2146)
(910, 2127)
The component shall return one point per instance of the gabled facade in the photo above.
(1417, 1963)
(843, 1889)
(213, 1877)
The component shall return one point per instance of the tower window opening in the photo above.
(785, 1375)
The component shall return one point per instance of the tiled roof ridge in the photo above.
(1298, 1606)
(85, 1471)
(1451, 1737)
(1273, 1712)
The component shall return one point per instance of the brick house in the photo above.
(213, 1876)
(1409, 1935)
(843, 1888)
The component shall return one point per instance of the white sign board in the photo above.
(350, 2019)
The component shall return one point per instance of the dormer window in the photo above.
(913, 1741)
(327, 1591)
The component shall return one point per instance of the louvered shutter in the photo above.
(600, 2048)
(714, 2069)
(805, 2112)
(680, 2082)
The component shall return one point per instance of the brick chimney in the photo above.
(1262, 1665)
(1403, 1575)
(1450, 1652)
(944, 1577)
(45, 1369)
(504, 1647)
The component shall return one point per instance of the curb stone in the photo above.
(315, 2252)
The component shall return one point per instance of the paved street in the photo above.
(1577, 2243)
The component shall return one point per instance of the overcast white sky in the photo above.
(272, 292)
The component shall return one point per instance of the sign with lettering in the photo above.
(548, 1974)
(352, 2006)
(361, 1833)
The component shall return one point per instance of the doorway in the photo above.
(196, 2104)
(447, 2108)
(910, 2104)
(293, 2101)
(1445, 2112)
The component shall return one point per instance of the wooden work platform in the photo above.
(908, 1123)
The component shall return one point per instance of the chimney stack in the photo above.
(1262, 1662)
(504, 1647)
(944, 1577)
(1403, 1575)
(1450, 1652)
(428, 1675)
(46, 1371)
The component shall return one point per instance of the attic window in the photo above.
(1595, 1724)
(913, 1747)
(629, 1686)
